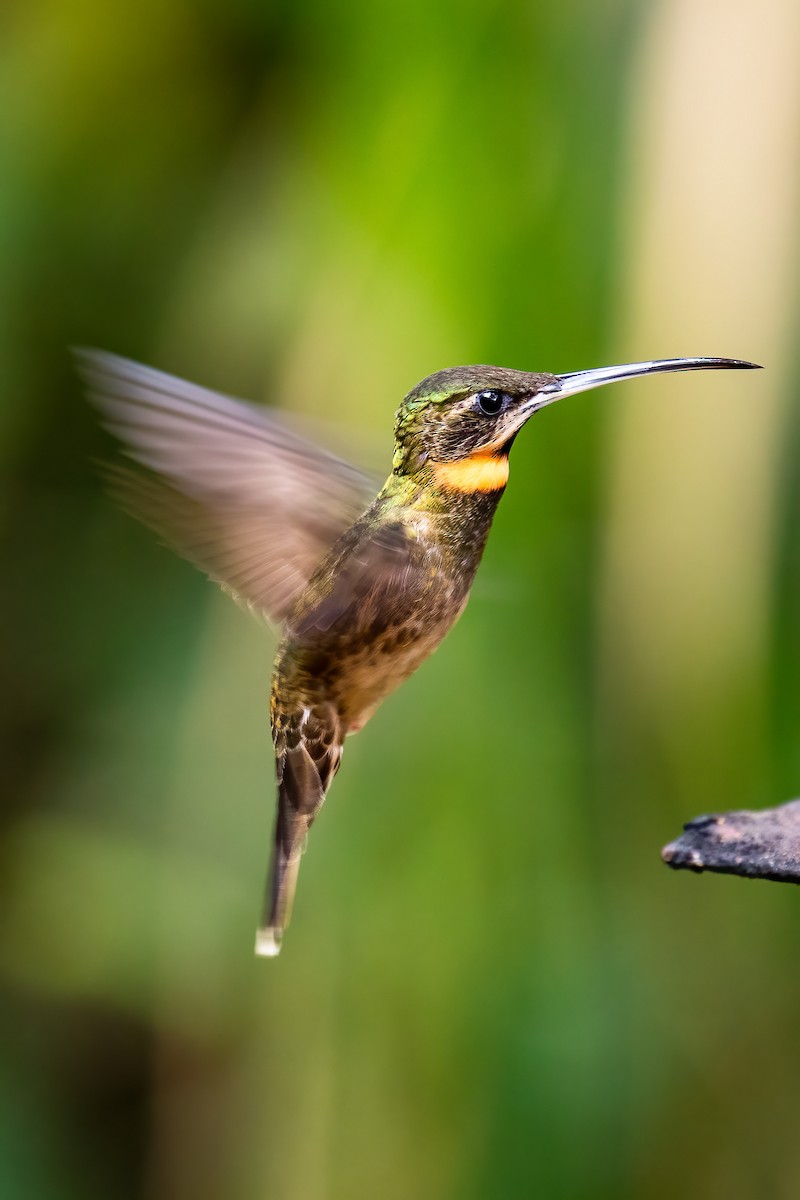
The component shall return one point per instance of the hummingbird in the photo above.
(362, 589)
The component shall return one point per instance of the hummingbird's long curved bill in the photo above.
(582, 381)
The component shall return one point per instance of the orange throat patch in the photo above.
(478, 472)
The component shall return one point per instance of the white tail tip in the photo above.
(267, 944)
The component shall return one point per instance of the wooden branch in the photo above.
(758, 845)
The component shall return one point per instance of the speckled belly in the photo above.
(356, 674)
(369, 675)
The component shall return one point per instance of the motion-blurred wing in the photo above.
(227, 484)
(373, 579)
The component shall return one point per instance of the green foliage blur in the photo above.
(492, 987)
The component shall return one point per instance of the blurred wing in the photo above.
(377, 580)
(229, 485)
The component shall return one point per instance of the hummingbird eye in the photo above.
(492, 402)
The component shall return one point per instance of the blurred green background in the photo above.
(492, 987)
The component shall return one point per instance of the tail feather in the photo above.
(281, 884)
(304, 774)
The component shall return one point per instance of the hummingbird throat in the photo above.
(478, 472)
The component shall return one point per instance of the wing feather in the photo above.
(227, 484)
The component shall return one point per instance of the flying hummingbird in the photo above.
(363, 591)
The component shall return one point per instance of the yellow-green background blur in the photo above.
(492, 986)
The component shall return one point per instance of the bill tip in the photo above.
(267, 943)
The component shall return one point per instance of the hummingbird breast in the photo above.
(378, 605)
(371, 671)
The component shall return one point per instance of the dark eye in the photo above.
(491, 402)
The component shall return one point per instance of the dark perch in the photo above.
(758, 845)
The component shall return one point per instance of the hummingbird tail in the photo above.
(281, 884)
(304, 774)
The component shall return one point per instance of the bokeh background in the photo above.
(492, 986)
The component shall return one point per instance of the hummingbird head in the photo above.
(459, 424)
(462, 413)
